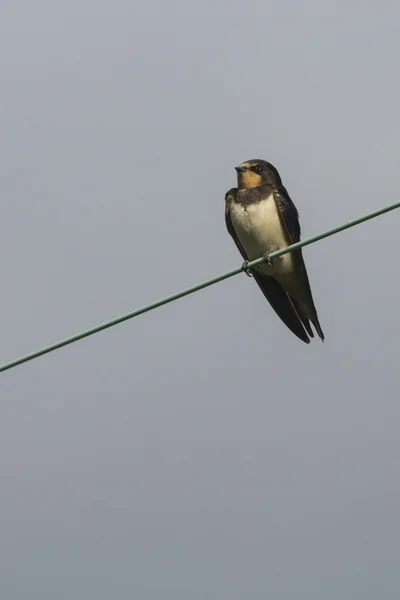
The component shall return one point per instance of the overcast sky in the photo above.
(200, 451)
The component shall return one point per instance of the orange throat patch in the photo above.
(248, 180)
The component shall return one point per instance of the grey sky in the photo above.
(200, 451)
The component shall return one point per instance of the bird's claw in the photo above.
(267, 259)
(246, 269)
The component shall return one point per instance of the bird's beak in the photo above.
(239, 169)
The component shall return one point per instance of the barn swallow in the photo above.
(261, 218)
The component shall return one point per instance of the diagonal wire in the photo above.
(195, 288)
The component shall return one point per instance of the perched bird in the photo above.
(261, 218)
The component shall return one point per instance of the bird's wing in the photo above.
(272, 290)
(290, 222)
(229, 196)
(289, 217)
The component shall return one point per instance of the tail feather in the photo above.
(304, 320)
(317, 326)
(282, 304)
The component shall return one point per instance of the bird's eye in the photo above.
(257, 169)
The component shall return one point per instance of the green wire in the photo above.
(195, 288)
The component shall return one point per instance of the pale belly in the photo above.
(259, 230)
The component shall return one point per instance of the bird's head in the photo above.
(256, 172)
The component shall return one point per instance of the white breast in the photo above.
(258, 228)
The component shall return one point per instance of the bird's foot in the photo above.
(246, 269)
(267, 259)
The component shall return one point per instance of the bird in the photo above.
(261, 218)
